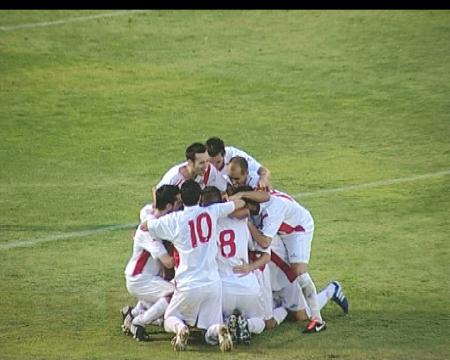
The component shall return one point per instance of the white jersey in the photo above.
(146, 252)
(230, 152)
(282, 215)
(280, 276)
(193, 232)
(234, 243)
(210, 178)
(252, 179)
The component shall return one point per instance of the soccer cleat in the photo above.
(339, 297)
(233, 327)
(225, 341)
(139, 333)
(127, 318)
(244, 333)
(179, 342)
(315, 326)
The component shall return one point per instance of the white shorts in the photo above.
(290, 297)
(298, 246)
(149, 288)
(266, 291)
(201, 306)
(251, 306)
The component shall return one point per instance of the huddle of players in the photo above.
(240, 250)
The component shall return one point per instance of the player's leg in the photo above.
(298, 247)
(210, 317)
(157, 293)
(181, 312)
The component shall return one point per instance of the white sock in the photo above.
(256, 325)
(139, 308)
(325, 295)
(279, 314)
(310, 292)
(173, 324)
(154, 312)
(212, 335)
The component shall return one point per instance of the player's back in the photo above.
(234, 242)
(194, 234)
(294, 216)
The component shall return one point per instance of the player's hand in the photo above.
(243, 269)
(144, 226)
(263, 185)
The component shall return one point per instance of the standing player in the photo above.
(241, 294)
(143, 269)
(294, 224)
(198, 292)
(220, 156)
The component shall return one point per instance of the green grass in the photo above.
(93, 113)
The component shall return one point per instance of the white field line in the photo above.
(31, 242)
(68, 20)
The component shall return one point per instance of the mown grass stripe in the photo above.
(32, 242)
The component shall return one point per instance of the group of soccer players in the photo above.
(221, 250)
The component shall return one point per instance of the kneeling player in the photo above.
(143, 269)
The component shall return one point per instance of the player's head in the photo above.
(210, 195)
(197, 158)
(238, 170)
(190, 192)
(253, 206)
(216, 152)
(168, 198)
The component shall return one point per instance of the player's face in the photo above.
(236, 176)
(201, 163)
(217, 161)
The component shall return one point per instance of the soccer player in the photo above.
(294, 224)
(143, 269)
(241, 295)
(287, 294)
(197, 299)
(220, 156)
(238, 174)
(196, 167)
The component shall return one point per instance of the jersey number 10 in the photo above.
(196, 229)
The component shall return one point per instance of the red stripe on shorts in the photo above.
(284, 267)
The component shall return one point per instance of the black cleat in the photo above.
(139, 333)
(127, 318)
(244, 333)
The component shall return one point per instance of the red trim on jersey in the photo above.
(206, 176)
(140, 263)
(255, 255)
(284, 267)
(288, 229)
(176, 257)
(281, 195)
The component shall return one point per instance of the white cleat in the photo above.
(225, 342)
(179, 342)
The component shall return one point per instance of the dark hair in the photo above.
(195, 148)
(210, 195)
(242, 188)
(190, 192)
(215, 146)
(242, 162)
(166, 194)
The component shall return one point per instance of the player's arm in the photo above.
(167, 261)
(264, 178)
(246, 268)
(262, 240)
(258, 196)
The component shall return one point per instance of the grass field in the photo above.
(94, 111)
